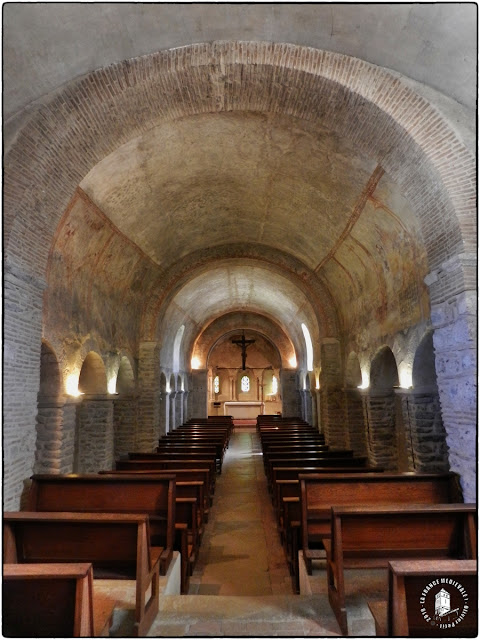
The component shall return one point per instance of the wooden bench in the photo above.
(117, 545)
(109, 494)
(165, 463)
(413, 586)
(371, 536)
(324, 459)
(183, 475)
(187, 450)
(171, 520)
(53, 600)
(320, 492)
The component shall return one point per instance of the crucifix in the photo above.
(243, 344)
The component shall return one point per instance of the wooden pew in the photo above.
(159, 461)
(201, 475)
(323, 459)
(197, 442)
(186, 487)
(371, 536)
(117, 545)
(187, 450)
(108, 494)
(410, 608)
(170, 519)
(320, 492)
(53, 600)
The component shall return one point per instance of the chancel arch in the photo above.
(247, 391)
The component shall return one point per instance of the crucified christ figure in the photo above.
(243, 344)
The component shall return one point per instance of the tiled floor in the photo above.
(241, 585)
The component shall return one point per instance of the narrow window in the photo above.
(216, 384)
(274, 385)
(309, 345)
(245, 384)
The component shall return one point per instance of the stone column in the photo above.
(319, 411)
(312, 399)
(48, 452)
(172, 423)
(379, 414)
(148, 430)
(163, 412)
(185, 406)
(69, 452)
(454, 319)
(125, 423)
(307, 406)
(332, 395)
(355, 421)
(291, 399)
(425, 433)
(198, 394)
(95, 434)
(179, 408)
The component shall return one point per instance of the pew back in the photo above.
(145, 494)
(53, 600)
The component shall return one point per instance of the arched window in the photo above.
(309, 346)
(274, 385)
(216, 384)
(245, 384)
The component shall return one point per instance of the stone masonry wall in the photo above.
(197, 407)
(125, 424)
(149, 399)
(357, 437)
(95, 434)
(332, 397)
(49, 436)
(291, 401)
(381, 433)
(23, 296)
(454, 318)
(426, 437)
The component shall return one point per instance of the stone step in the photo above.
(229, 616)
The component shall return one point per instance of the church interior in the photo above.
(241, 217)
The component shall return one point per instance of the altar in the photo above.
(243, 410)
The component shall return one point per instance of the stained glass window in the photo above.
(245, 384)
(216, 384)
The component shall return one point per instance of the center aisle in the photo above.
(241, 553)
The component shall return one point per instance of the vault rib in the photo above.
(356, 213)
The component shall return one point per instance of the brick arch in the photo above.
(227, 323)
(93, 378)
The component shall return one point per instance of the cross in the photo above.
(243, 344)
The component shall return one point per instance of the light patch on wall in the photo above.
(112, 385)
(365, 380)
(405, 375)
(195, 362)
(309, 346)
(71, 385)
(293, 361)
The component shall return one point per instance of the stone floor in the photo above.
(241, 585)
